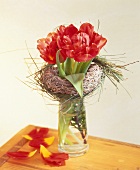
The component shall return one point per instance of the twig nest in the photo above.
(58, 85)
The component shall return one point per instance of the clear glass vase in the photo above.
(72, 127)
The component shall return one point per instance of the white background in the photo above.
(115, 116)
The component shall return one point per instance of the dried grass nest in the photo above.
(50, 82)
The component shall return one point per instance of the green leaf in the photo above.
(59, 65)
(79, 65)
(70, 66)
(77, 81)
(74, 67)
(67, 66)
(85, 66)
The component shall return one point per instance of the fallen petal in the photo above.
(49, 140)
(39, 133)
(21, 154)
(60, 155)
(37, 142)
(53, 159)
(41, 141)
(54, 162)
(27, 137)
(44, 152)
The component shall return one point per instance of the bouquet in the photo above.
(73, 69)
(71, 57)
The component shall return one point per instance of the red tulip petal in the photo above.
(53, 159)
(39, 133)
(21, 154)
(57, 159)
(41, 141)
(54, 162)
(42, 132)
(87, 28)
(70, 30)
(37, 142)
(102, 42)
(60, 156)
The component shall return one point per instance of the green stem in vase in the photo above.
(63, 128)
(74, 136)
(79, 121)
(71, 115)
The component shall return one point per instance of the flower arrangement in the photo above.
(72, 70)
(71, 57)
(72, 50)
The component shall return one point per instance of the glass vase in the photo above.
(72, 127)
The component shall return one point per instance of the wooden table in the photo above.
(103, 155)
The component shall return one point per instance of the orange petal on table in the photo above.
(44, 152)
(27, 137)
(49, 140)
(53, 159)
(21, 154)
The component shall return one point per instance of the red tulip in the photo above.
(48, 48)
(82, 45)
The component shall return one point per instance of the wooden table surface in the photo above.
(103, 155)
